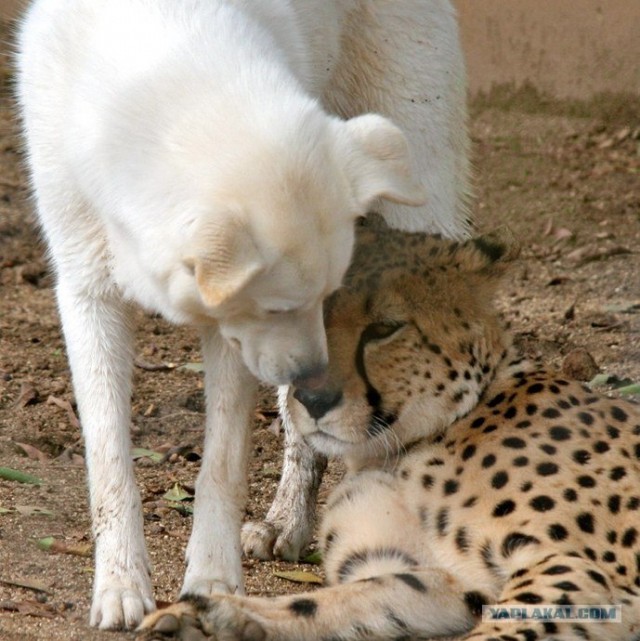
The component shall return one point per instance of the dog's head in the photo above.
(275, 235)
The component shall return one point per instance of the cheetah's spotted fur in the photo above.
(476, 478)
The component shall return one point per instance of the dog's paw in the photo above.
(266, 541)
(196, 618)
(206, 588)
(119, 606)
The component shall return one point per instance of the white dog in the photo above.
(206, 159)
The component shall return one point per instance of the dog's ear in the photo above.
(378, 162)
(224, 261)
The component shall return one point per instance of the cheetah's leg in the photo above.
(402, 604)
(386, 585)
(556, 581)
(288, 526)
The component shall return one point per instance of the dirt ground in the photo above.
(564, 179)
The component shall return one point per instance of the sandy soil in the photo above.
(566, 184)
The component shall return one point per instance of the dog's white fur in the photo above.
(206, 159)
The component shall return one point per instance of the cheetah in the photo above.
(475, 477)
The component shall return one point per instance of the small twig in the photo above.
(153, 367)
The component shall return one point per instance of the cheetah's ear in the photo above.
(490, 253)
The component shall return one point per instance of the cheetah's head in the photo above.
(413, 341)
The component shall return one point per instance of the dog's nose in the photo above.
(319, 401)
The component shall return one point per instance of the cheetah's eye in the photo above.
(381, 330)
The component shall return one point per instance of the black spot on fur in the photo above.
(499, 480)
(559, 433)
(199, 602)
(496, 400)
(597, 577)
(491, 249)
(629, 537)
(362, 557)
(614, 503)
(412, 581)
(567, 586)
(475, 601)
(586, 481)
(450, 487)
(563, 600)
(619, 414)
(581, 456)
(462, 539)
(504, 508)
(514, 443)
(528, 597)
(427, 481)
(510, 413)
(557, 569)
(303, 607)
(516, 540)
(486, 552)
(542, 503)
(617, 473)
(489, 460)
(442, 520)
(586, 418)
(547, 468)
(585, 522)
(468, 452)
(557, 532)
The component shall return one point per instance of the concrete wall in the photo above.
(567, 48)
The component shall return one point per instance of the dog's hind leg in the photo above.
(288, 526)
(98, 332)
(403, 60)
(214, 551)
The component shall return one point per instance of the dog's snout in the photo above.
(319, 401)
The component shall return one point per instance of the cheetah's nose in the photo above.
(319, 401)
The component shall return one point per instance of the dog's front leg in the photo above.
(214, 553)
(97, 328)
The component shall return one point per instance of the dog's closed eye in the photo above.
(190, 265)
